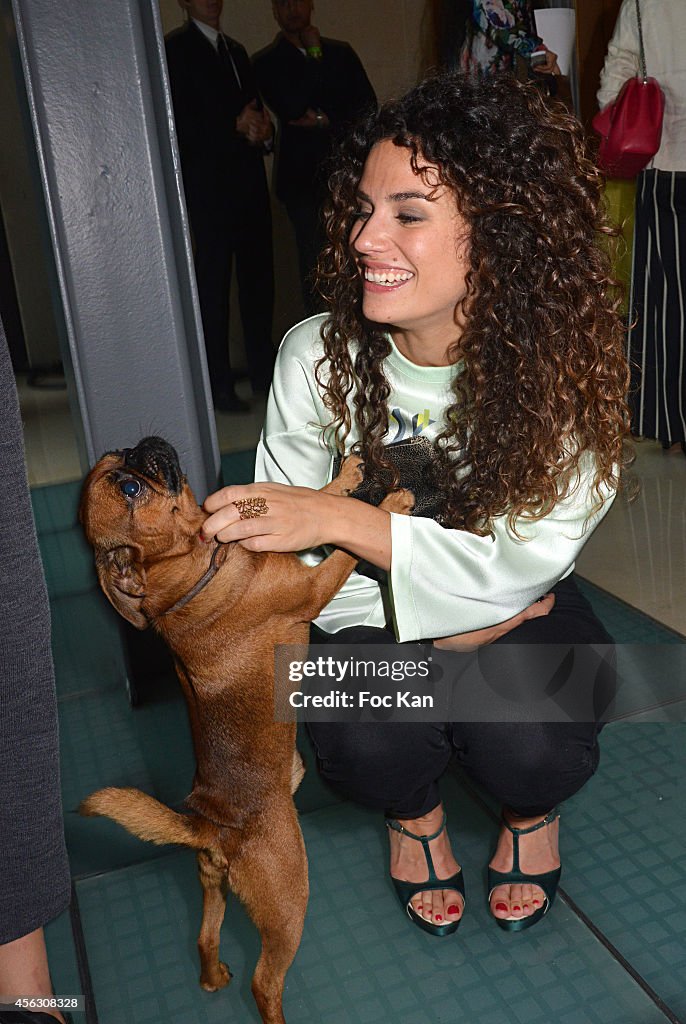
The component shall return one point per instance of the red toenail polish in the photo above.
(454, 909)
(438, 917)
(501, 906)
(516, 908)
(536, 903)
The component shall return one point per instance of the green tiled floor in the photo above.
(625, 851)
(623, 848)
(359, 962)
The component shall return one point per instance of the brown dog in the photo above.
(221, 610)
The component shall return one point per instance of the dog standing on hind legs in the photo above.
(221, 610)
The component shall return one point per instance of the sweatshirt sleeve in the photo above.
(445, 582)
(290, 450)
(622, 60)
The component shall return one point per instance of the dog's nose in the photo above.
(156, 458)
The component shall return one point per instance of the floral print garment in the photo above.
(497, 30)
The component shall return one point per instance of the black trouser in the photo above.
(304, 214)
(234, 223)
(527, 766)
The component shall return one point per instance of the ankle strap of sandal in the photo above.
(548, 820)
(397, 827)
(424, 840)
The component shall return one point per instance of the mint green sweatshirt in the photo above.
(441, 581)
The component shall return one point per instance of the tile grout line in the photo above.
(621, 960)
(654, 997)
(82, 957)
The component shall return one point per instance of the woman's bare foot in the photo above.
(538, 853)
(408, 864)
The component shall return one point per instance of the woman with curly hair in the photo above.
(473, 325)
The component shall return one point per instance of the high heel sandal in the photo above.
(548, 881)
(407, 890)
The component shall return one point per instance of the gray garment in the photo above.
(34, 871)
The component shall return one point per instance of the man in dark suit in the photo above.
(223, 130)
(316, 87)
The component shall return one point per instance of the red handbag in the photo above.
(630, 128)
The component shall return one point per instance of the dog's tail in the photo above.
(148, 819)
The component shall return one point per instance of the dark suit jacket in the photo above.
(290, 83)
(216, 160)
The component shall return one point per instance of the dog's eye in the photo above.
(131, 488)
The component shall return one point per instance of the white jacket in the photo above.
(664, 40)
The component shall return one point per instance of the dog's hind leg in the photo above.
(212, 868)
(270, 877)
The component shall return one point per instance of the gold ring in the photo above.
(251, 508)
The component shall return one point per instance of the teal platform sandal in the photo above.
(406, 890)
(547, 881)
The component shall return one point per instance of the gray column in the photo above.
(101, 113)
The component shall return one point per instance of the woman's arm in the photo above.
(300, 518)
(449, 581)
(440, 579)
(622, 60)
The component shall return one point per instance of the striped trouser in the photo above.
(657, 337)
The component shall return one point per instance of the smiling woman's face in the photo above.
(411, 246)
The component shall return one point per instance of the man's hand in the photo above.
(551, 66)
(466, 642)
(310, 37)
(254, 124)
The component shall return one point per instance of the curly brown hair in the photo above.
(544, 374)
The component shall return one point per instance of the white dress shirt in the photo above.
(212, 34)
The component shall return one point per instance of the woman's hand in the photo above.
(294, 518)
(464, 643)
(551, 67)
(278, 517)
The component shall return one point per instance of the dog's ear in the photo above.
(122, 577)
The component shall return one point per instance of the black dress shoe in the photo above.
(668, 446)
(230, 403)
(30, 1017)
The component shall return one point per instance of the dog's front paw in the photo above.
(401, 501)
(350, 476)
(216, 977)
